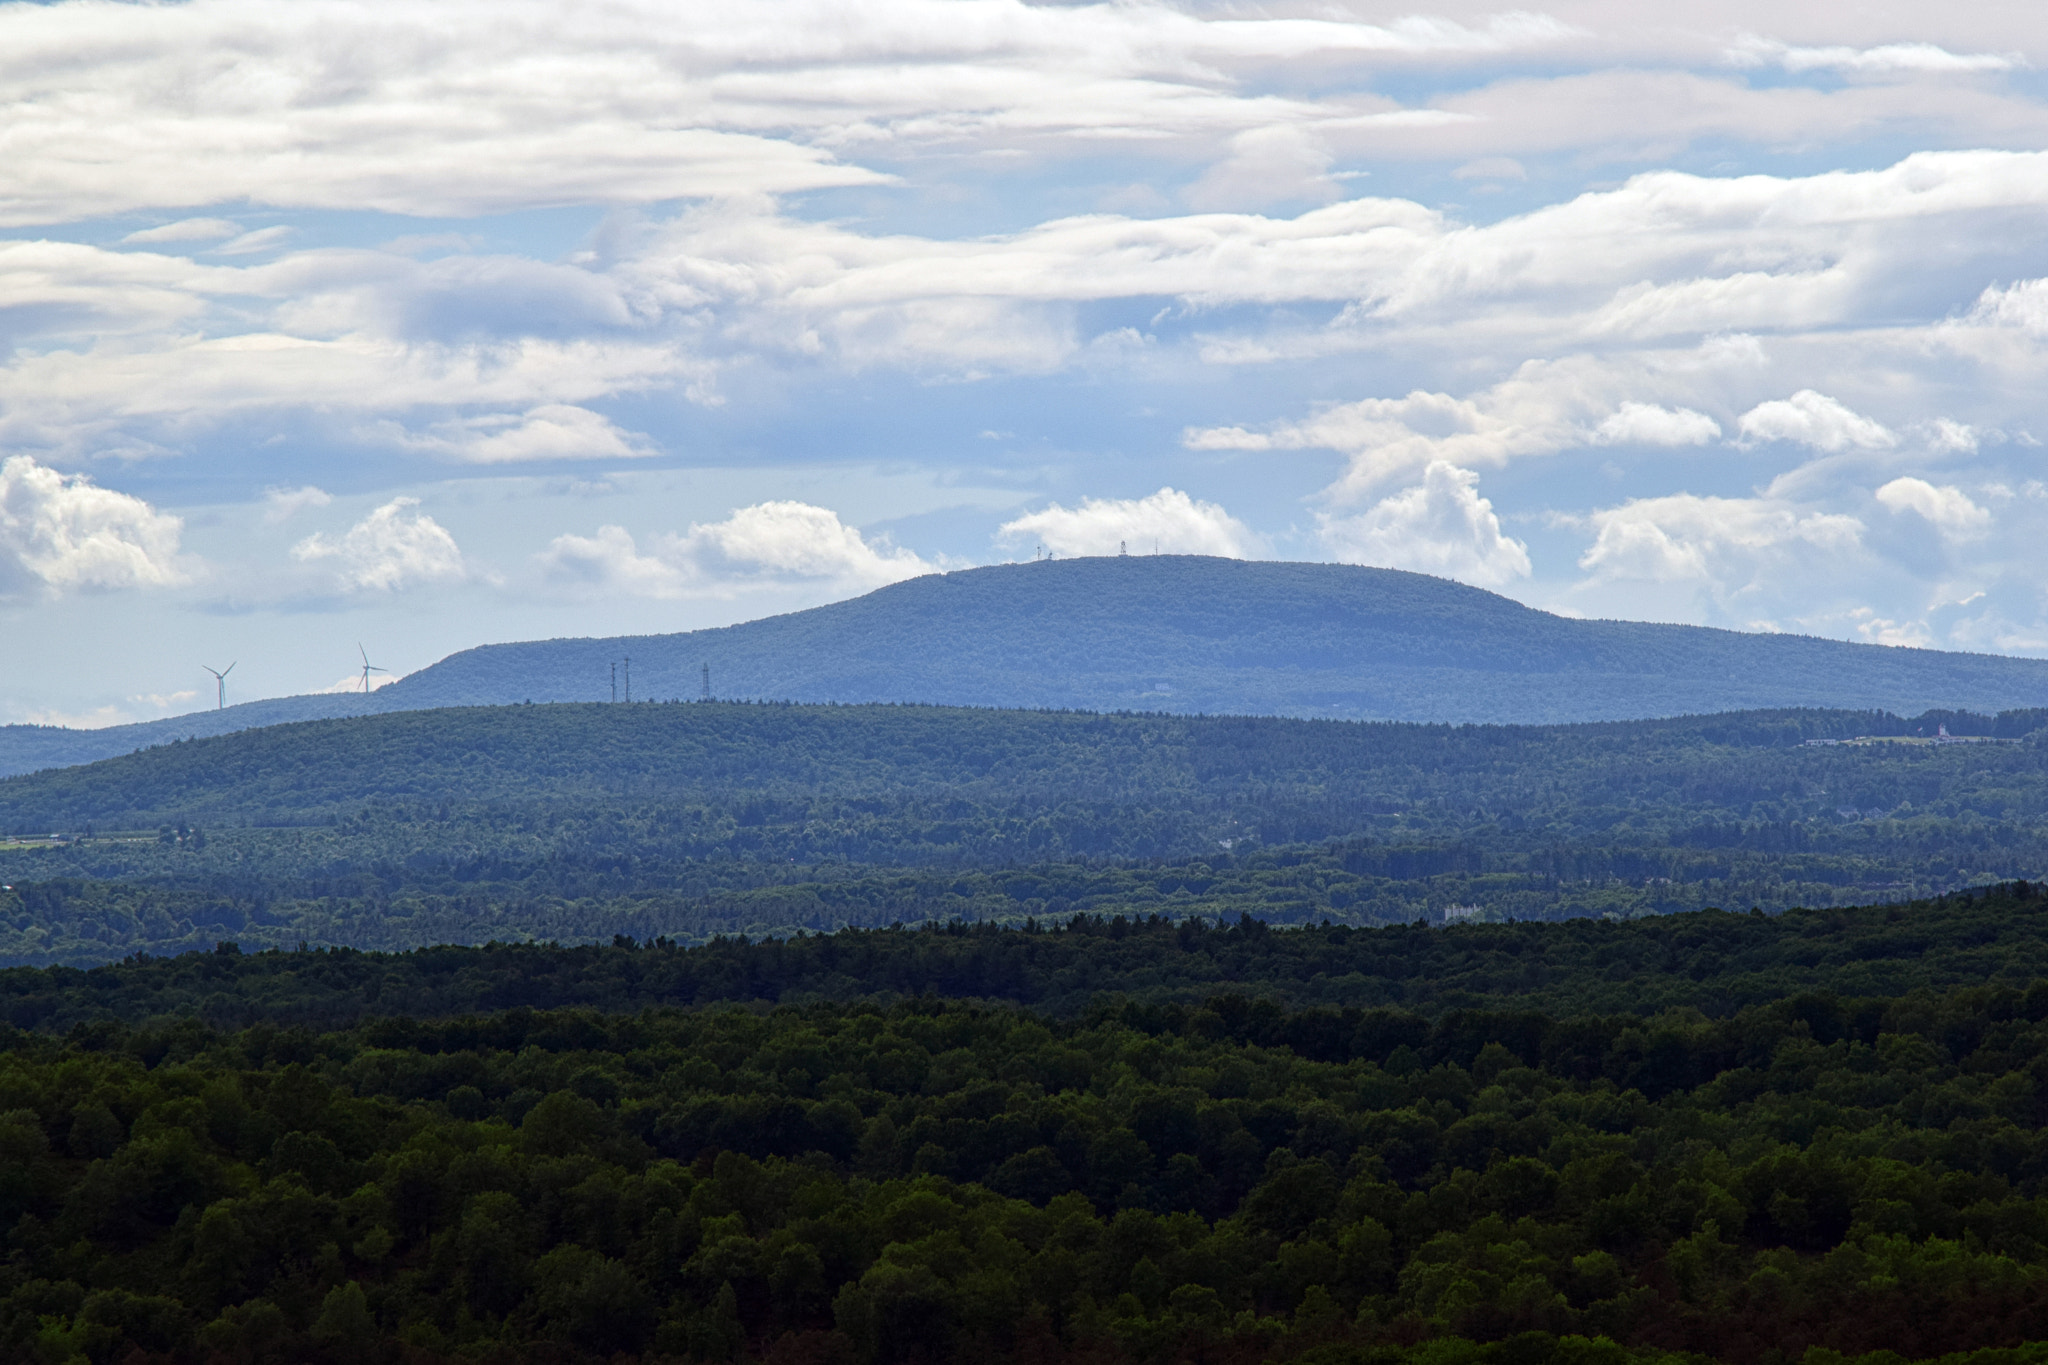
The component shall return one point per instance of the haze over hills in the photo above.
(1174, 633)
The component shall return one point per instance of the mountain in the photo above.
(1188, 634)
(1175, 633)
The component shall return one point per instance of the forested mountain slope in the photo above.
(578, 822)
(1186, 633)
(1170, 633)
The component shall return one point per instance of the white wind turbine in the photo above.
(220, 681)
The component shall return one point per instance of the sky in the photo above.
(407, 327)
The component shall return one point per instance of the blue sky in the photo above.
(434, 324)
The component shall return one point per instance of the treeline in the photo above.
(1221, 1180)
(1714, 962)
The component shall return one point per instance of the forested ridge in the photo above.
(686, 821)
(1218, 1177)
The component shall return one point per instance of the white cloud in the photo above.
(2022, 305)
(62, 533)
(1388, 437)
(1948, 437)
(1730, 546)
(768, 543)
(1440, 526)
(187, 230)
(354, 682)
(1880, 630)
(164, 701)
(1884, 59)
(362, 105)
(282, 504)
(254, 243)
(1815, 420)
(394, 547)
(1946, 507)
(1543, 408)
(1275, 165)
(1168, 521)
(1649, 425)
(552, 431)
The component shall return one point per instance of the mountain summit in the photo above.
(1191, 633)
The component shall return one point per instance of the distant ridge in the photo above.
(1176, 633)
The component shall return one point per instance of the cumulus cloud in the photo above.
(1168, 521)
(396, 546)
(1389, 437)
(1729, 546)
(63, 533)
(2022, 305)
(1815, 420)
(552, 431)
(1543, 408)
(1882, 630)
(1646, 424)
(1440, 526)
(1946, 507)
(282, 504)
(354, 682)
(767, 543)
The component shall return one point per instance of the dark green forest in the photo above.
(1712, 961)
(575, 823)
(777, 1035)
(1731, 1137)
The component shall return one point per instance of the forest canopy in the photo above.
(932, 1180)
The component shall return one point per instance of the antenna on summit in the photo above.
(629, 677)
(220, 678)
(615, 680)
(368, 667)
(1123, 548)
(707, 680)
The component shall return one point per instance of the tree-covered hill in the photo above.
(1330, 777)
(1171, 633)
(576, 823)
(1192, 634)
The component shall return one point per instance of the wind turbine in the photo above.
(368, 667)
(220, 680)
